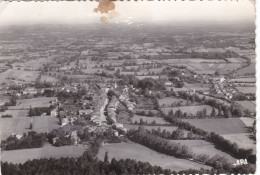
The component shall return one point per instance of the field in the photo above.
(147, 76)
(247, 121)
(33, 102)
(188, 109)
(211, 68)
(219, 126)
(142, 153)
(33, 64)
(236, 60)
(204, 147)
(19, 75)
(246, 80)
(47, 151)
(45, 124)
(167, 128)
(15, 113)
(170, 100)
(169, 88)
(247, 89)
(4, 99)
(136, 118)
(197, 87)
(248, 105)
(249, 70)
(243, 140)
(18, 125)
(50, 79)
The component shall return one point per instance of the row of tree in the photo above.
(219, 142)
(164, 146)
(219, 109)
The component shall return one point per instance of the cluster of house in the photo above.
(222, 88)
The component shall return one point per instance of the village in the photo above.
(62, 94)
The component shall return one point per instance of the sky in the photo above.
(127, 12)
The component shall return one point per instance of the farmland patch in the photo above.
(142, 153)
(219, 126)
(47, 151)
(204, 147)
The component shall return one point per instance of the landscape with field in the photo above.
(128, 99)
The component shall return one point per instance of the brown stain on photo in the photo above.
(103, 19)
(106, 7)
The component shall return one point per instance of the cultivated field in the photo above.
(19, 75)
(15, 113)
(204, 147)
(4, 99)
(219, 126)
(211, 68)
(33, 102)
(246, 80)
(169, 88)
(45, 124)
(47, 151)
(247, 105)
(247, 89)
(171, 100)
(142, 153)
(20, 125)
(197, 87)
(249, 70)
(17, 125)
(247, 121)
(50, 79)
(243, 140)
(167, 128)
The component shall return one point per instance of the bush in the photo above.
(6, 116)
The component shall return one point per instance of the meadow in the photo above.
(47, 151)
(243, 140)
(247, 105)
(170, 100)
(246, 89)
(19, 75)
(15, 113)
(20, 125)
(219, 126)
(45, 124)
(33, 102)
(204, 147)
(17, 125)
(142, 153)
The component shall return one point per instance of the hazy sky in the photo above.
(146, 11)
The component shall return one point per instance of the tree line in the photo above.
(157, 143)
(219, 141)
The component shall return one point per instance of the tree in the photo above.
(141, 121)
(117, 73)
(106, 160)
(204, 112)
(228, 113)
(213, 112)
(220, 111)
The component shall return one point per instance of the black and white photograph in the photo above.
(128, 87)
